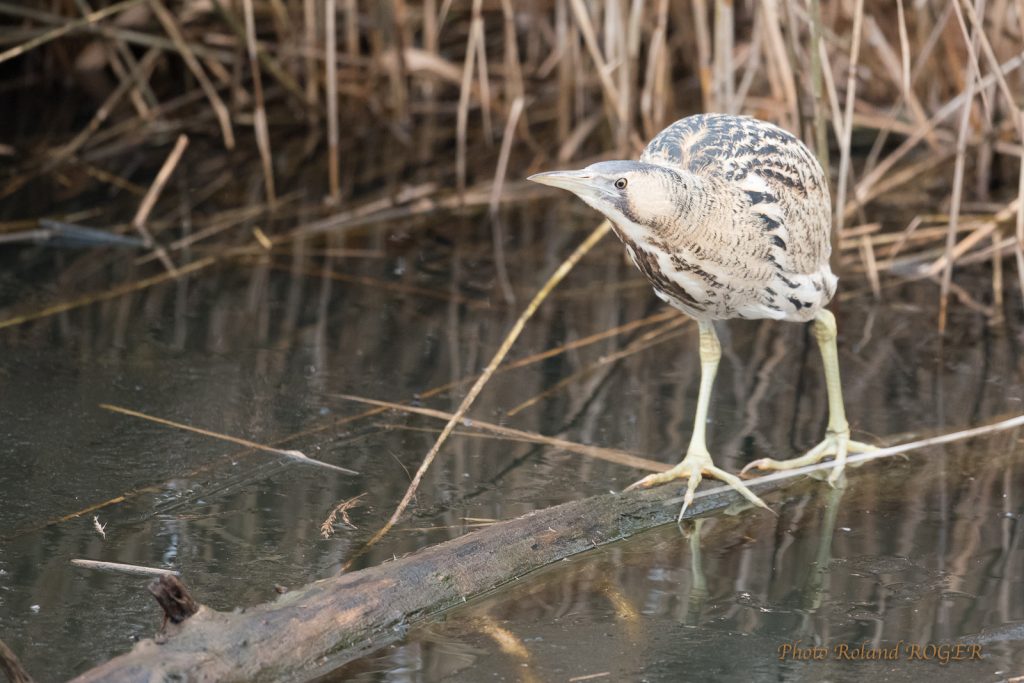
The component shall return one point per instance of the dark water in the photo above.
(923, 551)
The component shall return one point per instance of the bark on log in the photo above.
(335, 620)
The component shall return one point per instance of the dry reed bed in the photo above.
(444, 106)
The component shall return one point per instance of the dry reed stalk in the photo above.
(652, 96)
(331, 82)
(870, 265)
(724, 73)
(985, 229)
(997, 283)
(399, 74)
(818, 86)
(564, 49)
(593, 238)
(780, 71)
(497, 228)
(259, 107)
(611, 92)
(66, 28)
(846, 140)
(752, 64)
(1019, 227)
(152, 195)
(1009, 99)
(483, 75)
(958, 172)
(899, 73)
(599, 453)
(571, 143)
(703, 40)
(513, 68)
(268, 62)
(863, 190)
(351, 29)
(311, 38)
(293, 454)
(170, 25)
(462, 116)
(903, 176)
(602, 75)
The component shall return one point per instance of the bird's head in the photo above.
(630, 193)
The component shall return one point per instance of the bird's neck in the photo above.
(688, 205)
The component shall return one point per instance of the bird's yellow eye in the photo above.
(620, 184)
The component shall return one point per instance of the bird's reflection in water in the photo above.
(698, 594)
(817, 580)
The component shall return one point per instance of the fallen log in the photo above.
(346, 616)
(321, 626)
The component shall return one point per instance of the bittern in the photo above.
(727, 217)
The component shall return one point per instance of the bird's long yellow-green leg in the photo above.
(837, 439)
(698, 460)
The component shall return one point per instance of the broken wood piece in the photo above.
(172, 595)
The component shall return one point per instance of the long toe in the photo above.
(693, 467)
(838, 445)
(741, 488)
(691, 489)
(809, 458)
(665, 477)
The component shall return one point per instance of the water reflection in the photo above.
(925, 549)
(818, 594)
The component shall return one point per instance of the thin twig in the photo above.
(297, 455)
(552, 282)
(607, 454)
(151, 197)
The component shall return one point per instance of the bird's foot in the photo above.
(693, 467)
(836, 444)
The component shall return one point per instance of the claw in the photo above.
(837, 444)
(645, 483)
(759, 464)
(693, 467)
(691, 488)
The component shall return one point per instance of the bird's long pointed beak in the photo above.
(573, 181)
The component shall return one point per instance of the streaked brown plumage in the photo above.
(728, 217)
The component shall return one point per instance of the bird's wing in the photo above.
(784, 188)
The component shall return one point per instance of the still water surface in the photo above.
(924, 550)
